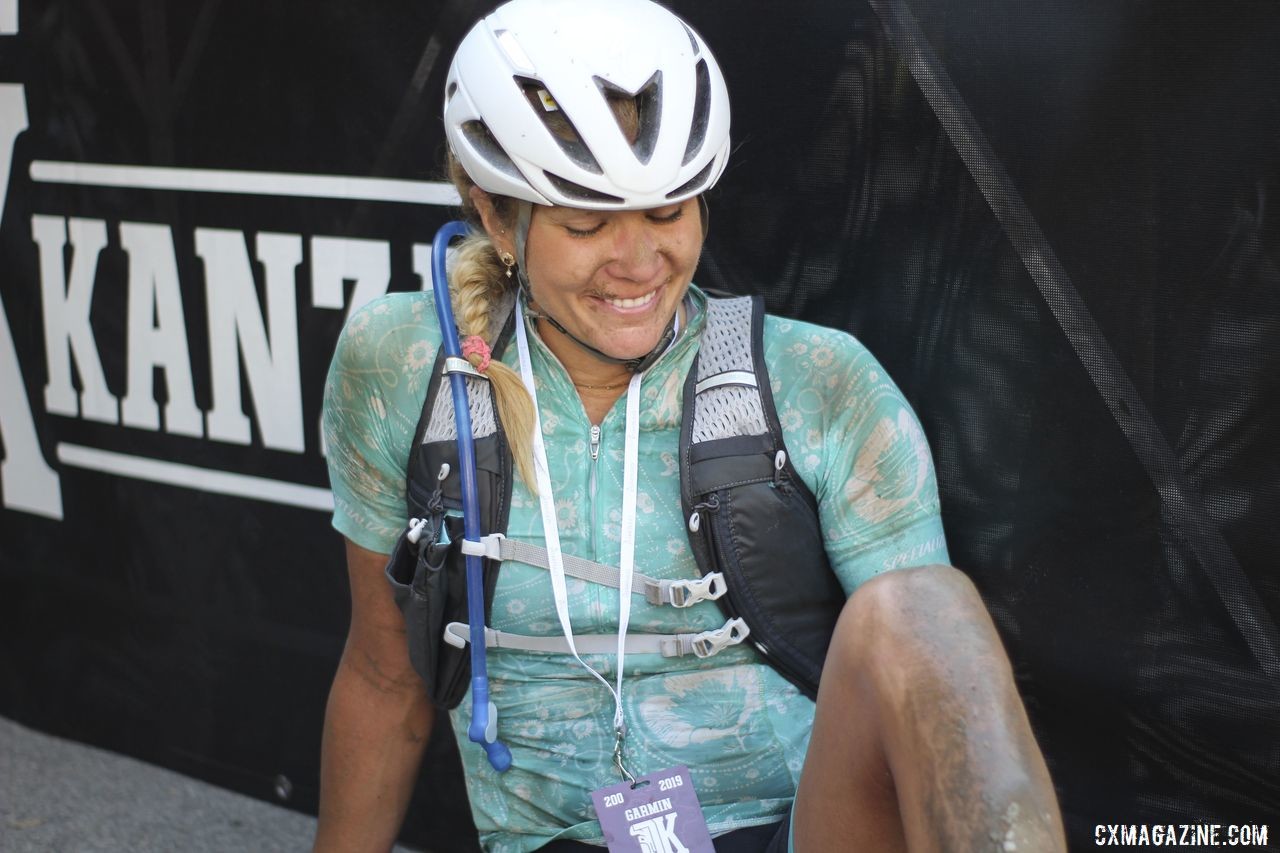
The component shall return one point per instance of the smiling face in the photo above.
(614, 279)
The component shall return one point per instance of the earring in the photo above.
(508, 261)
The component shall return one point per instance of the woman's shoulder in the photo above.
(803, 353)
(389, 327)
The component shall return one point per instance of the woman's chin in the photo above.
(626, 349)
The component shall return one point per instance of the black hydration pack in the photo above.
(752, 522)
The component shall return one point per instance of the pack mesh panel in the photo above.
(727, 410)
(442, 426)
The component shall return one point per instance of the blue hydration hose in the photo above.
(484, 714)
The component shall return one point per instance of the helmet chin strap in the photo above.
(524, 215)
(635, 365)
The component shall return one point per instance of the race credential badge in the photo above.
(660, 814)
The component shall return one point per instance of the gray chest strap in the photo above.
(676, 593)
(703, 644)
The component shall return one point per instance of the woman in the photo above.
(583, 134)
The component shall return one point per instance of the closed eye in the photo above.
(674, 216)
(584, 232)
(661, 216)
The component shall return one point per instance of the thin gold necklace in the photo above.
(587, 387)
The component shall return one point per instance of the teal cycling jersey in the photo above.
(740, 727)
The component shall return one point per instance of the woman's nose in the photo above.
(637, 254)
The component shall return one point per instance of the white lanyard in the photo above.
(555, 556)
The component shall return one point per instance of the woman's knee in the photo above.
(927, 666)
(909, 620)
(897, 605)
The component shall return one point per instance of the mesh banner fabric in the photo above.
(1052, 222)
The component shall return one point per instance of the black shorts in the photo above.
(770, 838)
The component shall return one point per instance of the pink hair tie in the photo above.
(475, 345)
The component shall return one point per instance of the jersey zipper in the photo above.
(591, 487)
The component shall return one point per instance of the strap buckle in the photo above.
(456, 634)
(487, 546)
(686, 593)
(709, 643)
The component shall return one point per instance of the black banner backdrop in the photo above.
(1048, 219)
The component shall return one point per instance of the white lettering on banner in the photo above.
(236, 328)
(8, 17)
(27, 481)
(157, 334)
(253, 339)
(337, 260)
(66, 302)
(657, 835)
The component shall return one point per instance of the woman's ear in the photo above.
(493, 224)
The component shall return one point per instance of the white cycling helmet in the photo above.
(532, 59)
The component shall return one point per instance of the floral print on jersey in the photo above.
(740, 727)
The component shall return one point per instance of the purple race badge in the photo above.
(662, 816)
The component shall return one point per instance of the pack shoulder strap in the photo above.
(427, 571)
(749, 514)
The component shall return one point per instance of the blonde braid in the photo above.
(477, 288)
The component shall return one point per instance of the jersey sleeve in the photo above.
(373, 397)
(858, 445)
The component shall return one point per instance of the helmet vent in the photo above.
(558, 125)
(701, 112)
(482, 142)
(693, 40)
(696, 184)
(639, 116)
(581, 193)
